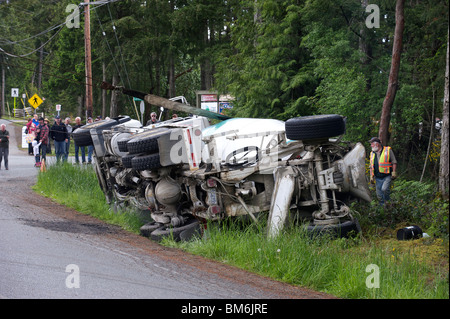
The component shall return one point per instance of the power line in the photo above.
(97, 4)
(35, 50)
(50, 74)
(123, 62)
(114, 58)
(118, 44)
(36, 35)
(109, 48)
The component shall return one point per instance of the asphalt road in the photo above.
(50, 251)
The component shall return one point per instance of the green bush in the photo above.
(412, 202)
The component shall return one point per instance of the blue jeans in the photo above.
(60, 150)
(383, 187)
(43, 151)
(4, 153)
(83, 153)
(90, 151)
(66, 149)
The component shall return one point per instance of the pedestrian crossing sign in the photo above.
(35, 101)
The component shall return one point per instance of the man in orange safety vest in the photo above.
(383, 169)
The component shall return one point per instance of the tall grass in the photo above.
(334, 266)
(77, 187)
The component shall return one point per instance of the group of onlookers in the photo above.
(82, 149)
(40, 133)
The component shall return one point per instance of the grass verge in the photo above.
(77, 187)
(342, 267)
(346, 268)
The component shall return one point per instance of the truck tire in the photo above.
(345, 229)
(82, 136)
(122, 144)
(126, 160)
(150, 227)
(146, 142)
(145, 161)
(314, 127)
(187, 231)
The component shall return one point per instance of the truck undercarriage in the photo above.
(185, 171)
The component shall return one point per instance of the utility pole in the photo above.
(87, 48)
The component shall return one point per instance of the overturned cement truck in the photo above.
(184, 171)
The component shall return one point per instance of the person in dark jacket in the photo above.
(58, 133)
(69, 131)
(42, 135)
(4, 145)
(78, 124)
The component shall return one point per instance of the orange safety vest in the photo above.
(384, 162)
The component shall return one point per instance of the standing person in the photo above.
(31, 131)
(58, 133)
(35, 119)
(69, 131)
(36, 145)
(4, 145)
(383, 169)
(42, 133)
(90, 147)
(49, 145)
(78, 124)
(153, 119)
(29, 136)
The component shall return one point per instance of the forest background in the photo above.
(278, 59)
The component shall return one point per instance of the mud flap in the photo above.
(281, 200)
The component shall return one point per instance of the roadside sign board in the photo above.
(35, 101)
(14, 92)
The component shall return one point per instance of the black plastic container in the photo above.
(410, 232)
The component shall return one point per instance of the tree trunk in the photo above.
(171, 76)
(171, 79)
(80, 107)
(88, 61)
(206, 66)
(393, 75)
(104, 91)
(443, 171)
(113, 107)
(364, 47)
(430, 139)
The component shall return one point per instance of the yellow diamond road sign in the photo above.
(35, 101)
